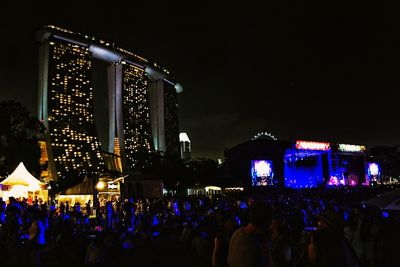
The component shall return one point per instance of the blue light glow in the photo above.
(303, 170)
(156, 233)
(104, 54)
(155, 220)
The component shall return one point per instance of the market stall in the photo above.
(81, 193)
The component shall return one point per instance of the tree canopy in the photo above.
(19, 133)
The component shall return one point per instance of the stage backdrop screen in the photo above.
(262, 173)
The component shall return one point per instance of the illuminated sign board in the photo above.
(112, 186)
(351, 148)
(307, 145)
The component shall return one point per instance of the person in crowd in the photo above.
(352, 231)
(329, 246)
(129, 211)
(62, 208)
(37, 237)
(200, 244)
(52, 207)
(94, 251)
(227, 225)
(2, 211)
(109, 214)
(202, 234)
(249, 245)
(385, 243)
(13, 215)
(325, 250)
(66, 207)
(281, 251)
(88, 208)
(368, 230)
(77, 207)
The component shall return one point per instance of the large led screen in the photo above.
(262, 173)
(373, 169)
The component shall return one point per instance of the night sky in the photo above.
(315, 70)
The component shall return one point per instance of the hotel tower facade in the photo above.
(142, 104)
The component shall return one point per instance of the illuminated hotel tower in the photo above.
(66, 107)
(185, 146)
(164, 117)
(130, 113)
(142, 104)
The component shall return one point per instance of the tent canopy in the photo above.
(84, 188)
(386, 201)
(21, 176)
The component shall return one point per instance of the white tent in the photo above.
(386, 201)
(20, 182)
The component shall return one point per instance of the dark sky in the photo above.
(316, 70)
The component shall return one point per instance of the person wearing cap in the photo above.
(327, 246)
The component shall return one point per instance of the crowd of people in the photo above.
(303, 228)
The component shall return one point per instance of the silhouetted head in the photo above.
(260, 214)
(330, 219)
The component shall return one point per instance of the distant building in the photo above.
(118, 153)
(164, 117)
(185, 146)
(44, 161)
(112, 163)
(143, 110)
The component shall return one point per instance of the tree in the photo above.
(169, 168)
(201, 171)
(18, 138)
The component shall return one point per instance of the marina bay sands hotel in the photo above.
(142, 104)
